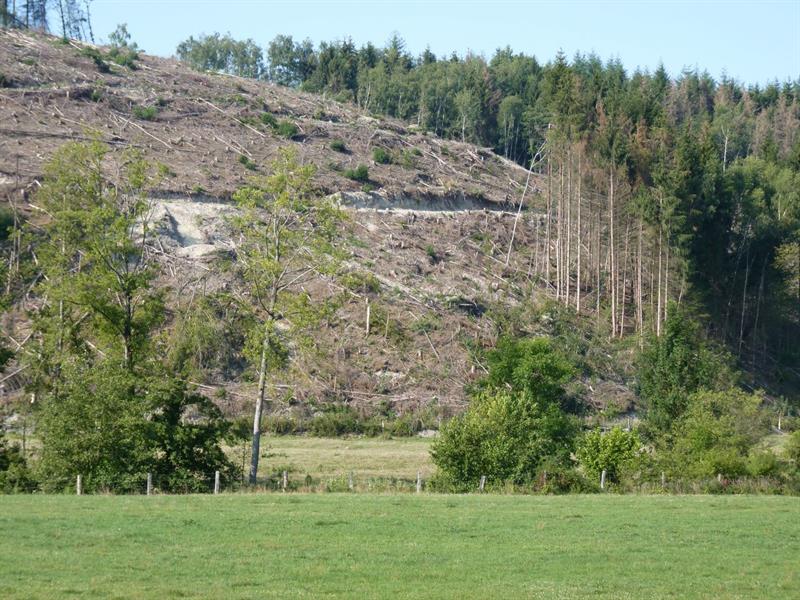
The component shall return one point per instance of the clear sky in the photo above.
(754, 42)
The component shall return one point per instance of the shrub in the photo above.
(715, 434)
(364, 283)
(611, 452)
(97, 58)
(4, 81)
(248, 164)
(432, 255)
(14, 473)
(335, 423)
(286, 129)
(792, 448)
(269, 120)
(675, 365)
(381, 156)
(504, 435)
(360, 173)
(123, 51)
(762, 463)
(146, 113)
(530, 365)
(338, 145)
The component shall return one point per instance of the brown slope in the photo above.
(437, 246)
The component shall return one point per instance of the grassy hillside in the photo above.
(342, 546)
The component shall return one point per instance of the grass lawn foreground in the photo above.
(401, 546)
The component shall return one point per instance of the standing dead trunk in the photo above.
(612, 260)
(744, 300)
(262, 383)
(624, 280)
(549, 209)
(578, 270)
(568, 261)
(639, 314)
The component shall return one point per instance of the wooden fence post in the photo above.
(350, 484)
(149, 484)
(603, 480)
(216, 482)
(663, 480)
(285, 482)
(419, 482)
(483, 482)
(79, 486)
(368, 315)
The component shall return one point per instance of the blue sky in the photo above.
(754, 42)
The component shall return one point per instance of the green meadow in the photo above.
(274, 545)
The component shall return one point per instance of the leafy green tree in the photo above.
(504, 435)
(290, 62)
(674, 366)
(715, 434)
(97, 372)
(612, 451)
(285, 237)
(531, 366)
(222, 53)
(514, 421)
(15, 475)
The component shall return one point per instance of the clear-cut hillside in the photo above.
(432, 228)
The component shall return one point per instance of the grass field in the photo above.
(399, 546)
(336, 457)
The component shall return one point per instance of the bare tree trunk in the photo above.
(639, 314)
(744, 299)
(624, 280)
(578, 274)
(262, 384)
(660, 253)
(549, 210)
(612, 261)
(597, 264)
(568, 262)
(758, 308)
(666, 275)
(559, 254)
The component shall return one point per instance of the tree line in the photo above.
(70, 18)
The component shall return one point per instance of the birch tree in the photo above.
(284, 238)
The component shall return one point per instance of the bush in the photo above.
(123, 51)
(381, 156)
(287, 129)
(146, 113)
(360, 173)
(248, 164)
(530, 365)
(334, 424)
(4, 81)
(269, 120)
(338, 146)
(792, 448)
(715, 435)
(97, 58)
(14, 473)
(363, 283)
(505, 436)
(611, 452)
(677, 364)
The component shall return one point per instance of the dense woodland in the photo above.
(671, 220)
